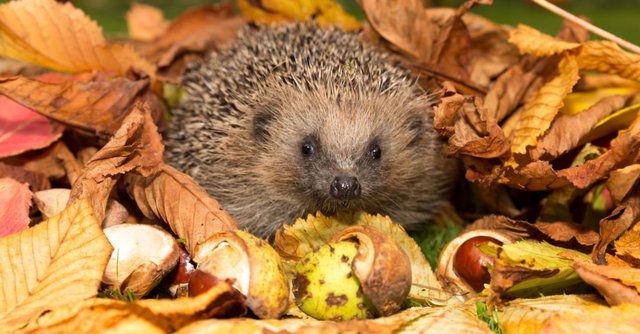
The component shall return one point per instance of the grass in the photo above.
(434, 237)
(491, 318)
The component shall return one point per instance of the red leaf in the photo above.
(22, 129)
(15, 200)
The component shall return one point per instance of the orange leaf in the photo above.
(145, 22)
(96, 106)
(62, 37)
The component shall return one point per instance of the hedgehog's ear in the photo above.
(261, 121)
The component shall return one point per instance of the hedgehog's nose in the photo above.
(345, 187)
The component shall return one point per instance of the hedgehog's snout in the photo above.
(345, 187)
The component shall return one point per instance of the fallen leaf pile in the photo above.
(546, 127)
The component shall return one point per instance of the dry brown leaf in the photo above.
(614, 225)
(51, 202)
(628, 246)
(145, 22)
(294, 241)
(62, 37)
(617, 284)
(196, 30)
(540, 111)
(607, 57)
(95, 106)
(471, 132)
(36, 180)
(567, 131)
(524, 316)
(136, 145)
(159, 315)
(565, 231)
(58, 262)
(178, 200)
(622, 180)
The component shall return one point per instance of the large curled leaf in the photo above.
(178, 200)
(61, 37)
(96, 106)
(56, 263)
(136, 145)
(294, 241)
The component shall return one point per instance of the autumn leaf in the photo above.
(145, 22)
(95, 106)
(58, 262)
(197, 30)
(136, 145)
(622, 180)
(621, 319)
(459, 318)
(540, 112)
(294, 241)
(558, 140)
(617, 284)
(326, 12)
(154, 315)
(614, 225)
(527, 268)
(523, 316)
(61, 37)
(21, 129)
(178, 200)
(36, 180)
(15, 200)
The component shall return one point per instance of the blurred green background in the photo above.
(616, 16)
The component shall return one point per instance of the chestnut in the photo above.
(471, 264)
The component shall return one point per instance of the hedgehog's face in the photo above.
(347, 151)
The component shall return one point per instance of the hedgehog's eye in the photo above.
(308, 148)
(375, 152)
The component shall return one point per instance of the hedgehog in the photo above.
(295, 119)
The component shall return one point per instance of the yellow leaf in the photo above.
(296, 240)
(58, 262)
(61, 37)
(542, 109)
(327, 12)
(575, 103)
(531, 41)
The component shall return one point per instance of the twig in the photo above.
(590, 27)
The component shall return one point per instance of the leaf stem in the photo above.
(590, 27)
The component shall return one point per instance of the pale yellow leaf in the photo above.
(326, 12)
(61, 37)
(296, 240)
(543, 108)
(530, 315)
(621, 319)
(451, 319)
(58, 262)
(577, 102)
(531, 41)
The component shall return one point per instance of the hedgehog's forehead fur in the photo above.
(251, 106)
